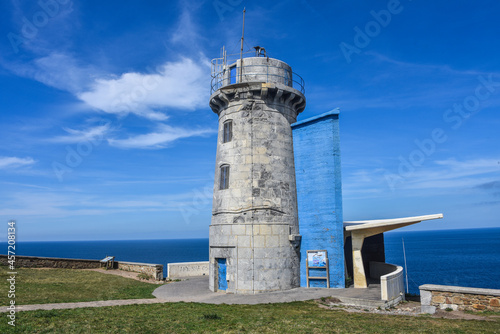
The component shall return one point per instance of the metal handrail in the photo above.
(221, 78)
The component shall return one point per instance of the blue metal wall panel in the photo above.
(317, 283)
(316, 145)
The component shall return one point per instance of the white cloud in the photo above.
(182, 84)
(57, 70)
(443, 175)
(95, 133)
(186, 31)
(454, 174)
(158, 139)
(62, 203)
(12, 162)
(469, 167)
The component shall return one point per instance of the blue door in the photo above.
(222, 283)
(232, 75)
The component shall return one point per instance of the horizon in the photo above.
(108, 131)
(400, 230)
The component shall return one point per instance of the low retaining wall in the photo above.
(391, 280)
(51, 262)
(187, 269)
(154, 270)
(434, 297)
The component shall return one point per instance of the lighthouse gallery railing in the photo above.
(230, 75)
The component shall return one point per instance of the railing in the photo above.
(256, 73)
(391, 279)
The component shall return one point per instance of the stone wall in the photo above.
(154, 270)
(458, 298)
(187, 269)
(51, 262)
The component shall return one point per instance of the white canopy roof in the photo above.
(384, 225)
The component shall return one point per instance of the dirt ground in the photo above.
(411, 308)
(123, 273)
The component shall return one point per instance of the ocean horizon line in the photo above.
(199, 238)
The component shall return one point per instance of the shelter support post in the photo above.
(357, 259)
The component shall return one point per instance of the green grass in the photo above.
(486, 313)
(296, 317)
(41, 286)
(63, 285)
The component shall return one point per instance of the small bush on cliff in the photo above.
(145, 276)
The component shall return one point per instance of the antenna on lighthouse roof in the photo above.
(241, 49)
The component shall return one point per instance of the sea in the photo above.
(466, 257)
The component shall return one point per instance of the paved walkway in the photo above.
(61, 306)
(195, 289)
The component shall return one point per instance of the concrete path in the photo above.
(60, 306)
(195, 289)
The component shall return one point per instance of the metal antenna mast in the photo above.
(241, 49)
(406, 269)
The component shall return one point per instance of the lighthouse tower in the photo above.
(254, 232)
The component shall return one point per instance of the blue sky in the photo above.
(107, 133)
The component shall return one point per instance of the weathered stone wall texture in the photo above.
(48, 262)
(254, 221)
(465, 301)
(154, 270)
(459, 298)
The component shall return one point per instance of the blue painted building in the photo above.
(316, 144)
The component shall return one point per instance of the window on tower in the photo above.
(224, 177)
(227, 134)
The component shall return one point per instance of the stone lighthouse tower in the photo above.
(254, 233)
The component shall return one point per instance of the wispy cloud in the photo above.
(77, 136)
(452, 173)
(186, 31)
(38, 26)
(426, 85)
(62, 203)
(57, 70)
(13, 162)
(419, 67)
(490, 203)
(178, 84)
(163, 136)
(442, 175)
(17, 184)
